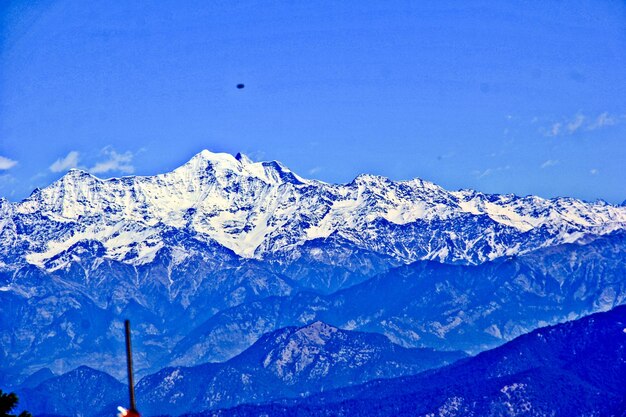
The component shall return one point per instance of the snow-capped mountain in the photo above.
(175, 250)
(263, 210)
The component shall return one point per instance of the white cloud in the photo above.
(483, 174)
(555, 130)
(63, 164)
(489, 171)
(594, 171)
(549, 163)
(314, 170)
(569, 126)
(119, 162)
(6, 179)
(6, 163)
(255, 155)
(575, 123)
(605, 119)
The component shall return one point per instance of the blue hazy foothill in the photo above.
(569, 369)
(572, 369)
(290, 362)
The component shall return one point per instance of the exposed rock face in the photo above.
(572, 369)
(290, 362)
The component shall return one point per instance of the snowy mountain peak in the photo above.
(74, 175)
(225, 166)
(370, 179)
(204, 160)
(264, 210)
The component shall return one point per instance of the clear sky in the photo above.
(525, 97)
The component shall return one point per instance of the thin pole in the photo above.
(129, 366)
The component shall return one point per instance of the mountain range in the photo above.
(264, 211)
(290, 362)
(209, 257)
(572, 369)
(427, 303)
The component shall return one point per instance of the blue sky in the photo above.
(509, 97)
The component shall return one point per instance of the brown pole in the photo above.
(129, 365)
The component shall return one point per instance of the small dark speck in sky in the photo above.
(240, 86)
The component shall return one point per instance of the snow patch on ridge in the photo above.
(258, 209)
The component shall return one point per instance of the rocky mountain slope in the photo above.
(175, 250)
(290, 362)
(442, 306)
(572, 369)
